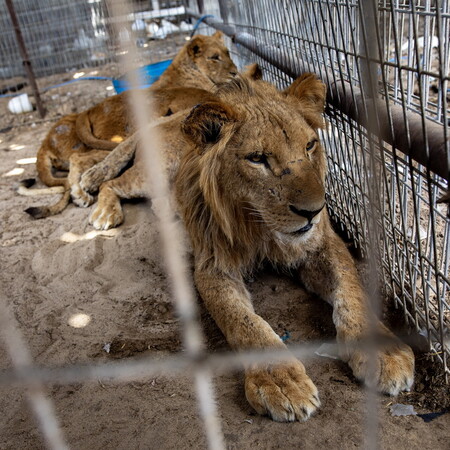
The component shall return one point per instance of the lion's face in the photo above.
(261, 157)
(277, 171)
(212, 58)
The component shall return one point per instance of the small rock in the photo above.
(402, 410)
(328, 351)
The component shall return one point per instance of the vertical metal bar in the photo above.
(171, 239)
(368, 15)
(442, 31)
(25, 58)
(224, 10)
(368, 50)
(40, 403)
(200, 6)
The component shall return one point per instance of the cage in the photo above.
(386, 65)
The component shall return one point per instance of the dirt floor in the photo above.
(54, 268)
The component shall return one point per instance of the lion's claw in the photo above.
(394, 370)
(284, 392)
(103, 218)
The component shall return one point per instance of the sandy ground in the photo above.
(52, 269)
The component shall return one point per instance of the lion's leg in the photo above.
(281, 390)
(332, 274)
(79, 163)
(108, 211)
(111, 166)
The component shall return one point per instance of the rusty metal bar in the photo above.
(25, 58)
(201, 6)
(349, 100)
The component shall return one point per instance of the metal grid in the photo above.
(415, 265)
(59, 36)
(409, 49)
(63, 35)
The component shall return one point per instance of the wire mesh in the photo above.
(58, 35)
(66, 35)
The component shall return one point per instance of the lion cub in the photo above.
(248, 171)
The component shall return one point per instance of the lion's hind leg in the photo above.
(108, 211)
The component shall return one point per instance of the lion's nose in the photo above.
(309, 215)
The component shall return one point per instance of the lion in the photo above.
(166, 99)
(248, 174)
(199, 65)
(202, 63)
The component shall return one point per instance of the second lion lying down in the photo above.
(248, 172)
(78, 141)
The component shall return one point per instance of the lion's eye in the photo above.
(257, 158)
(311, 144)
(215, 57)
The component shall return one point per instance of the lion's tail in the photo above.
(39, 212)
(44, 164)
(84, 132)
(25, 185)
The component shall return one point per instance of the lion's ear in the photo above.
(195, 46)
(204, 123)
(218, 34)
(253, 71)
(311, 94)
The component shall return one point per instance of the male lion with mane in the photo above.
(249, 171)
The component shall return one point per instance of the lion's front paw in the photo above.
(393, 369)
(80, 197)
(91, 180)
(283, 391)
(106, 217)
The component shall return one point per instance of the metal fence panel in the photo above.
(59, 35)
(371, 184)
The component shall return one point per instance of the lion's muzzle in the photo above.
(308, 215)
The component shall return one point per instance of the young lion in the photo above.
(200, 64)
(249, 174)
(166, 99)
